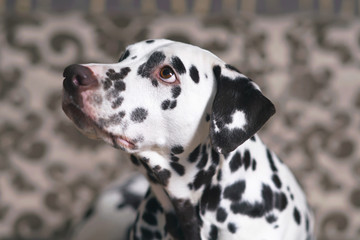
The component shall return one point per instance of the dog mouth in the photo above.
(91, 128)
(122, 141)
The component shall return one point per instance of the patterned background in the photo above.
(308, 65)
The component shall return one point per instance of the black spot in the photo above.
(276, 180)
(210, 198)
(146, 69)
(164, 176)
(124, 72)
(268, 197)
(173, 104)
(174, 158)
(178, 168)
(259, 209)
(247, 159)
(271, 160)
(231, 227)
(235, 191)
(270, 218)
(146, 233)
(134, 57)
(254, 165)
(235, 162)
(297, 216)
(252, 210)
(203, 177)
(165, 104)
(107, 84)
(176, 91)
(122, 114)
(215, 157)
(280, 201)
(149, 219)
(178, 65)
(219, 175)
(207, 118)
(149, 172)
(139, 115)
(190, 186)
(131, 199)
(157, 168)
(178, 149)
(291, 195)
(213, 233)
(140, 70)
(221, 215)
(153, 205)
(204, 158)
(194, 154)
(134, 160)
(124, 55)
(154, 83)
(253, 139)
(194, 74)
(119, 86)
(115, 76)
(228, 66)
(117, 103)
(151, 177)
(187, 217)
(150, 41)
(172, 226)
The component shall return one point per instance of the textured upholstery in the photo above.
(308, 66)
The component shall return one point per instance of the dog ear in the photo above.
(239, 109)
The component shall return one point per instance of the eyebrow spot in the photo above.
(154, 60)
(178, 65)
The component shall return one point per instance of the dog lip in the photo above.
(123, 141)
(84, 122)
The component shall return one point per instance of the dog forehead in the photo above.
(169, 48)
(145, 48)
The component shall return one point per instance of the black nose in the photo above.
(78, 77)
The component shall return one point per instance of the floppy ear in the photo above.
(239, 110)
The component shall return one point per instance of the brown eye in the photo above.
(167, 74)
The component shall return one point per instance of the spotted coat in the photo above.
(188, 121)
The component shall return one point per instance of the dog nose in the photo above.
(78, 77)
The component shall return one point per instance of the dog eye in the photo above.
(167, 75)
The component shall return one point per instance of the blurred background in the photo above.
(305, 55)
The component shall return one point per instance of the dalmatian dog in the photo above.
(188, 122)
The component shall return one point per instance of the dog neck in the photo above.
(181, 179)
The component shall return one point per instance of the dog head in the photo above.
(164, 95)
